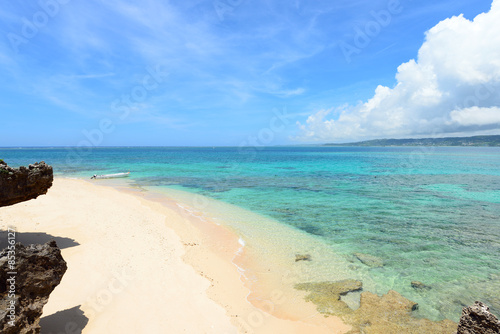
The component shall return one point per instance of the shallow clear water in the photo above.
(431, 214)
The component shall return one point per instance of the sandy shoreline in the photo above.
(137, 265)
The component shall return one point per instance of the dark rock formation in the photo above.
(477, 319)
(302, 257)
(22, 184)
(25, 285)
(420, 286)
(369, 260)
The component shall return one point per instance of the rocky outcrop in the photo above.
(27, 277)
(390, 313)
(326, 295)
(477, 319)
(22, 184)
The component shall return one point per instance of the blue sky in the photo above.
(239, 72)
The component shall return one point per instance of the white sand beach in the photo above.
(137, 266)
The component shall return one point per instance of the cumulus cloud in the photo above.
(476, 116)
(452, 88)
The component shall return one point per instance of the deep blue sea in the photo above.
(431, 214)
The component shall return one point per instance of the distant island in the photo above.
(451, 141)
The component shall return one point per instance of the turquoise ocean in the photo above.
(430, 214)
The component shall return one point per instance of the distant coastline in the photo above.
(490, 141)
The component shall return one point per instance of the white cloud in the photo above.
(452, 88)
(476, 116)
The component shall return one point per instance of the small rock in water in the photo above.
(420, 286)
(302, 257)
(369, 260)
